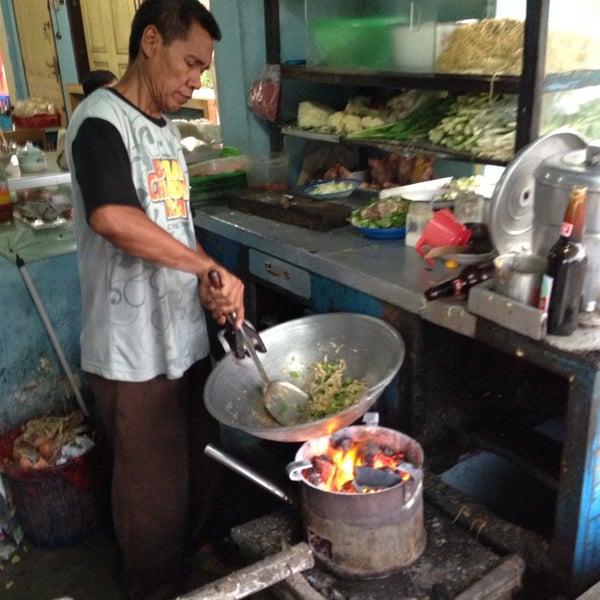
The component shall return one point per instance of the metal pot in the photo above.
(373, 350)
(365, 535)
(519, 276)
(356, 536)
(554, 178)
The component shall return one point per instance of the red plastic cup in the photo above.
(443, 230)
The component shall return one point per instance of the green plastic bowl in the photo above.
(356, 42)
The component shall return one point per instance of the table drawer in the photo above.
(279, 273)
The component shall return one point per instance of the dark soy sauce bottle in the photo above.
(562, 283)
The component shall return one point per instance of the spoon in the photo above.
(284, 400)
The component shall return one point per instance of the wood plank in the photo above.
(291, 209)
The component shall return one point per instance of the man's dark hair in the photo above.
(97, 79)
(172, 19)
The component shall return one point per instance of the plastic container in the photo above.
(37, 121)
(443, 230)
(216, 166)
(269, 172)
(419, 214)
(414, 43)
(353, 42)
(31, 159)
(58, 506)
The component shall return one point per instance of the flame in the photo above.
(343, 462)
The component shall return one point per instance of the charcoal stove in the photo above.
(365, 524)
(362, 500)
(340, 536)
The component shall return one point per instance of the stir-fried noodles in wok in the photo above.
(330, 392)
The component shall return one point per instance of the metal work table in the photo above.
(394, 277)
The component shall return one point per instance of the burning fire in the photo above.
(354, 467)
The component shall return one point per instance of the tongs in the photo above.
(284, 400)
(235, 338)
(233, 335)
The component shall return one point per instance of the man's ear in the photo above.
(151, 40)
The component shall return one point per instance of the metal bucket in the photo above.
(368, 535)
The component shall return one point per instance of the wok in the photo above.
(373, 351)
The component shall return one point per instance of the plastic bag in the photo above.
(264, 93)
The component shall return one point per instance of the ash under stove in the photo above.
(454, 563)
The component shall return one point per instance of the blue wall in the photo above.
(238, 58)
(31, 378)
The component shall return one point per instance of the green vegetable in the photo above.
(416, 124)
(479, 124)
(381, 214)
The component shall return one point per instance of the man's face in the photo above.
(175, 70)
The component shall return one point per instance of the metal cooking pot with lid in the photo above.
(554, 178)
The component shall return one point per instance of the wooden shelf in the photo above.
(391, 79)
(414, 147)
(501, 84)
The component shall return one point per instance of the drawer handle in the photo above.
(275, 272)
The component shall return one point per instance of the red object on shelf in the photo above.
(37, 121)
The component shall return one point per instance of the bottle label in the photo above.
(4, 194)
(566, 229)
(545, 292)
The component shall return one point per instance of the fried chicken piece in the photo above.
(337, 171)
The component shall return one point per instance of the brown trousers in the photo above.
(163, 485)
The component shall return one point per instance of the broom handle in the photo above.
(51, 333)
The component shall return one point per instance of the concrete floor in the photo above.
(86, 571)
(89, 570)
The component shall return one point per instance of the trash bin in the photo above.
(59, 505)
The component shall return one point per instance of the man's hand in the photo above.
(226, 298)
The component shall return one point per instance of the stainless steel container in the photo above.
(519, 276)
(554, 178)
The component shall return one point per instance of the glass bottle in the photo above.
(417, 218)
(6, 207)
(460, 286)
(562, 283)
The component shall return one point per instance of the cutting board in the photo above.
(291, 209)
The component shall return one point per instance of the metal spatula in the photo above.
(284, 400)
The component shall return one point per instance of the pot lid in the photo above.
(511, 210)
(580, 167)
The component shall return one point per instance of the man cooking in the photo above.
(144, 344)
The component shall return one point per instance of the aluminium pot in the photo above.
(554, 178)
(356, 536)
(365, 535)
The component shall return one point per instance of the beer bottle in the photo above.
(460, 286)
(562, 282)
(6, 207)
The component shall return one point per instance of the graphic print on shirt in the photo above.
(168, 185)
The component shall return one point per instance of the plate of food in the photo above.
(389, 233)
(330, 189)
(382, 219)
